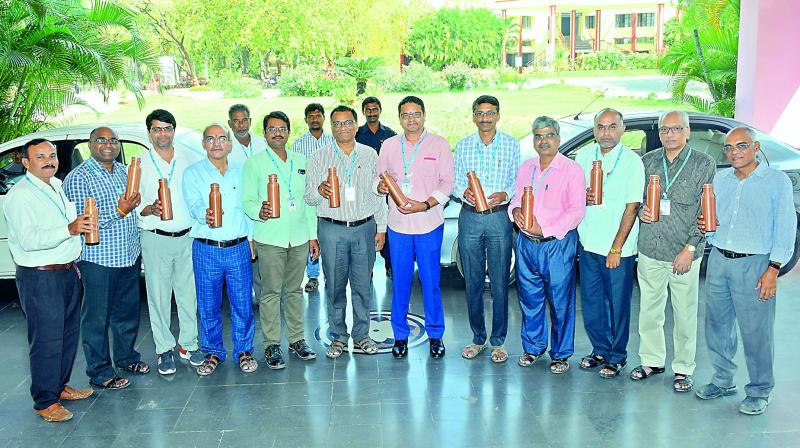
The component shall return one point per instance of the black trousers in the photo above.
(51, 303)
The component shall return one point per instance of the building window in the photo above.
(645, 40)
(622, 41)
(623, 20)
(527, 43)
(646, 19)
(589, 22)
(527, 22)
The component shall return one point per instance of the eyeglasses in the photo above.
(159, 129)
(675, 130)
(274, 130)
(237, 121)
(484, 113)
(549, 136)
(345, 123)
(211, 139)
(103, 141)
(408, 115)
(740, 147)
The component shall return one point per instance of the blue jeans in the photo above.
(312, 267)
(606, 302)
(483, 238)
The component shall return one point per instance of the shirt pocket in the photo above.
(683, 193)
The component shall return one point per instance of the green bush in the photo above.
(233, 85)
(459, 76)
(415, 78)
(306, 80)
(616, 60)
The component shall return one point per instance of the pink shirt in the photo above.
(431, 174)
(559, 194)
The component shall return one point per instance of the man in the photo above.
(282, 244)
(670, 252)
(422, 165)
(312, 140)
(350, 234)
(754, 237)
(607, 248)
(245, 145)
(43, 236)
(110, 270)
(546, 251)
(373, 133)
(167, 245)
(486, 236)
(221, 254)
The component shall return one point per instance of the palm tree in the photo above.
(48, 47)
(360, 69)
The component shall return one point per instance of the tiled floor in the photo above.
(361, 401)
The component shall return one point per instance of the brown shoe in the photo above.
(55, 413)
(71, 394)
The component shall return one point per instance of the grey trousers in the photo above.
(730, 297)
(349, 256)
(281, 289)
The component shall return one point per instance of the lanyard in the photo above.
(483, 156)
(278, 170)
(160, 174)
(406, 166)
(61, 210)
(249, 148)
(668, 183)
(597, 157)
(110, 182)
(348, 169)
(541, 179)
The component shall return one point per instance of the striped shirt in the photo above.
(306, 144)
(495, 164)
(362, 163)
(119, 236)
(664, 239)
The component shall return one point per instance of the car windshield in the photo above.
(571, 128)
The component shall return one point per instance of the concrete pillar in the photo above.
(572, 36)
(659, 28)
(597, 33)
(633, 32)
(519, 44)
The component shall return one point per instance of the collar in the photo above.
(424, 132)
(310, 135)
(557, 163)
(479, 141)
(99, 166)
(760, 171)
(240, 143)
(54, 181)
(613, 151)
(681, 155)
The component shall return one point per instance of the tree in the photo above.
(360, 69)
(48, 47)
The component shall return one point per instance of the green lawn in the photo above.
(448, 113)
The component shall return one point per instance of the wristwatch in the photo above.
(615, 251)
(775, 264)
(690, 248)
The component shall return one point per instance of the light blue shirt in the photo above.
(197, 182)
(756, 214)
(495, 164)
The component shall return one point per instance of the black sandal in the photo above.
(639, 373)
(682, 383)
(138, 368)
(209, 365)
(612, 370)
(592, 361)
(115, 383)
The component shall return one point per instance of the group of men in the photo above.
(267, 247)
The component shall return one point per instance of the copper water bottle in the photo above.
(134, 175)
(654, 197)
(708, 205)
(165, 197)
(596, 181)
(274, 196)
(215, 204)
(334, 201)
(90, 210)
(477, 190)
(527, 207)
(394, 190)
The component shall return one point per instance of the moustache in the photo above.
(49, 166)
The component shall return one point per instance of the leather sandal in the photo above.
(682, 383)
(471, 351)
(247, 363)
(335, 350)
(559, 366)
(499, 354)
(113, 384)
(209, 365)
(527, 359)
(138, 368)
(612, 370)
(641, 373)
(592, 361)
(71, 394)
(55, 413)
(366, 346)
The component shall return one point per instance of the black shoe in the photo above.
(302, 350)
(437, 348)
(400, 349)
(273, 357)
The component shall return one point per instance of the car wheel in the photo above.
(512, 273)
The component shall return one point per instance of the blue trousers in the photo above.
(110, 300)
(482, 239)
(212, 266)
(546, 276)
(731, 297)
(606, 303)
(427, 248)
(51, 303)
(312, 267)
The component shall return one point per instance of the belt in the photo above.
(54, 267)
(221, 244)
(536, 239)
(346, 223)
(172, 234)
(500, 207)
(732, 254)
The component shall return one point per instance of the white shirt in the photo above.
(148, 187)
(241, 153)
(37, 215)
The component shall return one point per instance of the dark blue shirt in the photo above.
(365, 136)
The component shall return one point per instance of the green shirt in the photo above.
(294, 227)
(623, 183)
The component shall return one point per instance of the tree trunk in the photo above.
(703, 66)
